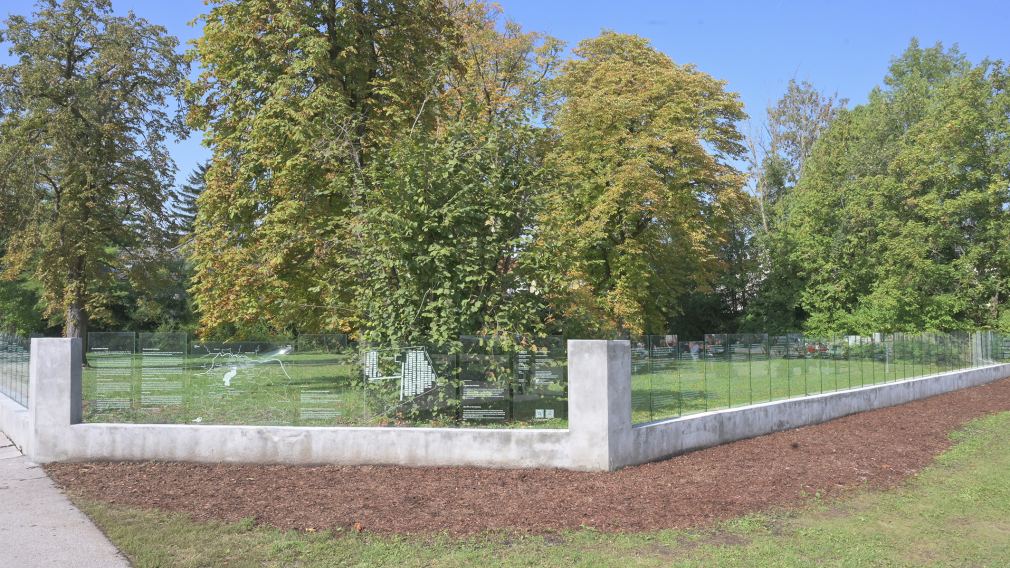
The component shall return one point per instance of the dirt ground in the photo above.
(876, 449)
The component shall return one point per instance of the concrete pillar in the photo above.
(599, 403)
(54, 396)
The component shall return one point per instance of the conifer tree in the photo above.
(185, 206)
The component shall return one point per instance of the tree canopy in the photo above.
(418, 170)
(84, 117)
(294, 119)
(646, 190)
(900, 220)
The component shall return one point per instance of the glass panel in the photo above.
(540, 394)
(641, 381)
(778, 369)
(836, 351)
(421, 384)
(164, 382)
(663, 355)
(109, 380)
(485, 375)
(760, 368)
(14, 358)
(693, 395)
(717, 371)
(818, 352)
(796, 364)
(244, 382)
(738, 356)
(324, 379)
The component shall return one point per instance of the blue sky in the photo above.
(756, 47)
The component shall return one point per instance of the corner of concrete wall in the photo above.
(54, 397)
(599, 403)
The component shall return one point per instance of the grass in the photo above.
(302, 389)
(955, 513)
(688, 386)
(318, 389)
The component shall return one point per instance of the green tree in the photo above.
(794, 125)
(647, 190)
(296, 98)
(19, 311)
(19, 300)
(449, 226)
(447, 250)
(184, 207)
(84, 114)
(900, 221)
(375, 168)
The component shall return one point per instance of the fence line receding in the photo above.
(673, 377)
(325, 380)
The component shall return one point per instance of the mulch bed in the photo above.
(876, 449)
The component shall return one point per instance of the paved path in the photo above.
(38, 524)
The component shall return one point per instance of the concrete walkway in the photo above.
(38, 524)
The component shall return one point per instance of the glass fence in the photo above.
(672, 377)
(14, 355)
(323, 380)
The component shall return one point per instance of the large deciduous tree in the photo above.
(646, 188)
(449, 226)
(795, 122)
(84, 115)
(794, 125)
(296, 99)
(374, 169)
(902, 217)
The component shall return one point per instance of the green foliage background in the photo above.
(407, 170)
(900, 220)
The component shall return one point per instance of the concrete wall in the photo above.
(599, 384)
(56, 433)
(600, 435)
(14, 422)
(665, 438)
(296, 445)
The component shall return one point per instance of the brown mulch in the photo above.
(876, 449)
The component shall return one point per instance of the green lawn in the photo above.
(310, 389)
(956, 513)
(303, 389)
(690, 386)
(123, 389)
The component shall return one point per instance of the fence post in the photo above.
(599, 403)
(54, 400)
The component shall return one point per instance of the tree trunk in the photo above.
(77, 326)
(77, 314)
(77, 320)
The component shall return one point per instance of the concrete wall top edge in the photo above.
(504, 432)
